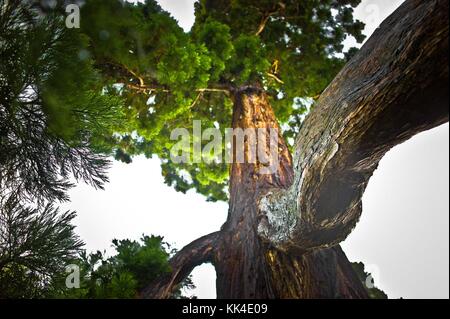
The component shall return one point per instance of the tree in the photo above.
(168, 77)
(261, 64)
(282, 233)
(55, 116)
(124, 274)
(50, 115)
(36, 245)
(237, 51)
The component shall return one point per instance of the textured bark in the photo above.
(241, 264)
(394, 88)
(281, 236)
(196, 253)
(247, 266)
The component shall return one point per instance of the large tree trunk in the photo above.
(283, 229)
(247, 266)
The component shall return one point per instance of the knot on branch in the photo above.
(277, 217)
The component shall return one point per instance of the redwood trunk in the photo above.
(246, 266)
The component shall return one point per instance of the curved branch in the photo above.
(262, 24)
(196, 253)
(276, 78)
(266, 16)
(394, 88)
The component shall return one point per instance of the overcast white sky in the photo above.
(403, 235)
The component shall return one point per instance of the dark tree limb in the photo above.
(394, 88)
(196, 253)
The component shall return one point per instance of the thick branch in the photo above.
(394, 88)
(144, 89)
(196, 253)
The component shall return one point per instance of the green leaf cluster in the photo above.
(55, 115)
(134, 266)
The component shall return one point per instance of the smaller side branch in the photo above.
(216, 90)
(276, 78)
(199, 96)
(145, 89)
(266, 17)
(120, 69)
(263, 24)
(196, 253)
(138, 77)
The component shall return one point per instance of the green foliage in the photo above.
(374, 292)
(132, 268)
(54, 112)
(302, 38)
(120, 85)
(168, 77)
(36, 244)
(131, 75)
(249, 62)
(217, 39)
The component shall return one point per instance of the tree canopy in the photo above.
(167, 77)
(37, 244)
(130, 75)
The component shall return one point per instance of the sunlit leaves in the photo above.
(249, 64)
(217, 39)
